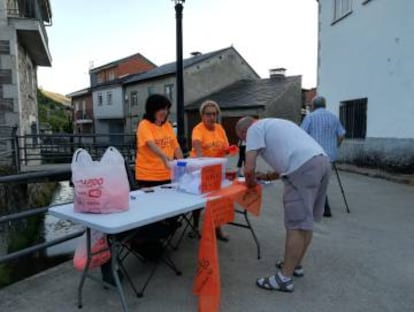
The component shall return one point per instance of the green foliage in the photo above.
(5, 275)
(54, 114)
(28, 236)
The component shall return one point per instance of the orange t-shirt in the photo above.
(213, 142)
(148, 165)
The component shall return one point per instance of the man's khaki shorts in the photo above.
(305, 193)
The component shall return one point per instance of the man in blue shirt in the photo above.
(327, 130)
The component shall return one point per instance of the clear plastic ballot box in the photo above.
(198, 175)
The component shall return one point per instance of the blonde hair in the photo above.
(209, 103)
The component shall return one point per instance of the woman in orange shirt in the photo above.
(209, 139)
(156, 144)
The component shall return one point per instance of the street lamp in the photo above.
(179, 75)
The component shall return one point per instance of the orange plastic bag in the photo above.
(100, 251)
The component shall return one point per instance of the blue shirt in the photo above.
(325, 128)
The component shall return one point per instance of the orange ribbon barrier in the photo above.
(219, 210)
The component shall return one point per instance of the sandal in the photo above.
(298, 271)
(275, 283)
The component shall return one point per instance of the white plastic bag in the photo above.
(100, 186)
(99, 249)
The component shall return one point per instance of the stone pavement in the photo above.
(362, 261)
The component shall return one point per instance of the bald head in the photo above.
(242, 125)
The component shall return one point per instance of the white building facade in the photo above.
(365, 71)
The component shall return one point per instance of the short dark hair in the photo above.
(154, 103)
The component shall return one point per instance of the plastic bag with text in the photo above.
(100, 186)
(99, 248)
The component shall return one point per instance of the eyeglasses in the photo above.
(212, 114)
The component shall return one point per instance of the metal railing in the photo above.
(26, 213)
(8, 152)
(35, 248)
(40, 149)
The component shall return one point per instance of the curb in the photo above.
(378, 173)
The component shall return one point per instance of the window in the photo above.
(83, 106)
(150, 91)
(134, 98)
(109, 97)
(100, 99)
(342, 8)
(4, 47)
(99, 78)
(76, 106)
(353, 115)
(111, 75)
(168, 91)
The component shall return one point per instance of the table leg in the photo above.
(115, 247)
(86, 269)
(248, 226)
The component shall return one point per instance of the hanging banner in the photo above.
(222, 209)
(250, 199)
(219, 210)
(207, 281)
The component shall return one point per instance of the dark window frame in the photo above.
(353, 115)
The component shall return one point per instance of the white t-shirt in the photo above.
(282, 144)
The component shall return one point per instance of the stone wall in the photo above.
(28, 91)
(394, 155)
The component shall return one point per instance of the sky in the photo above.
(267, 33)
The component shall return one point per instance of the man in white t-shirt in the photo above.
(304, 168)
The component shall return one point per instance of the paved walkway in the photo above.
(362, 261)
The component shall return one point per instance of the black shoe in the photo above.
(327, 214)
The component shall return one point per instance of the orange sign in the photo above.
(222, 209)
(211, 177)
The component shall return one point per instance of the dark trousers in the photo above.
(327, 210)
(149, 232)
(242, 156)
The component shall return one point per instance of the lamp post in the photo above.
(179, 75)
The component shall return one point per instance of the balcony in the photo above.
(28, 20)
(82, 118)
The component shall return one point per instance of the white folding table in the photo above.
(144, 209)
